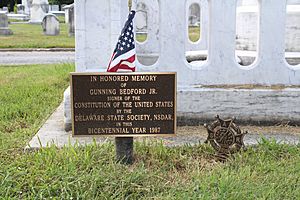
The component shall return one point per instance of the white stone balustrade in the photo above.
(98, 26)
(99, 22)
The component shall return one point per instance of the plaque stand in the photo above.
(124, 150)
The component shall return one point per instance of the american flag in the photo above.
(124, 54)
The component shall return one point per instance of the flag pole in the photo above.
(129, 5)
(124, 145)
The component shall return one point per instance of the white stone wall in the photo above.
(99, 22)
(98, 26)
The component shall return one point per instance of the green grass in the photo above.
(61, 19)
(28, 94)
(31, 36)
(194, 35)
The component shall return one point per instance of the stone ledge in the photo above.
(251, 106)
(52, 133)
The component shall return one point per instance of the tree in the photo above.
(11, 5)
(60, 2)
(3, 3)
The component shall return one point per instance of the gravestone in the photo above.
(141, 20)
(4, 30)
(5, 9)
(194, 15)
(66, 8)
(38, 10)
(20, 9)
(50, 25)
(71, 21)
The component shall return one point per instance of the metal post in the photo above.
(124, 150)
(129, 5)
(124, 145)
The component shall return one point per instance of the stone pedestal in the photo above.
(50, 25)
(4, 30)
(71, 21)
(38, 10)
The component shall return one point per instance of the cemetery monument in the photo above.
(4, 30)
(50, 25)
(38, 10)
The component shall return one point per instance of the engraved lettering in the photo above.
(92, 105)
(144, 78)
(113, 78)
(143, 104)
(95, 92)
(163, 117)
(132, 91)
(139, 130)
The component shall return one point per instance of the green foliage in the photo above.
(28, 94)
(60, 2)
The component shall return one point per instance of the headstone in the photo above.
(5, 9)
(66, 8)
(141, 20)
(20, 9)
(4, 30)
(71, 21)
(194, 15)
(50, 25)
(38, 10)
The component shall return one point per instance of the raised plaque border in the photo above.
(124, 73)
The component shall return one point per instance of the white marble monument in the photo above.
(98, 25)
(38, 10)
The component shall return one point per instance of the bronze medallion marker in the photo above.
(225, 137)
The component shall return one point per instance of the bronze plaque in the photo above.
(123, 104)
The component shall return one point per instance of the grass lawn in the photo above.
(194, 35)
(31, 36)
(28, 94)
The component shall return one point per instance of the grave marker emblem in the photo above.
(225, 137)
